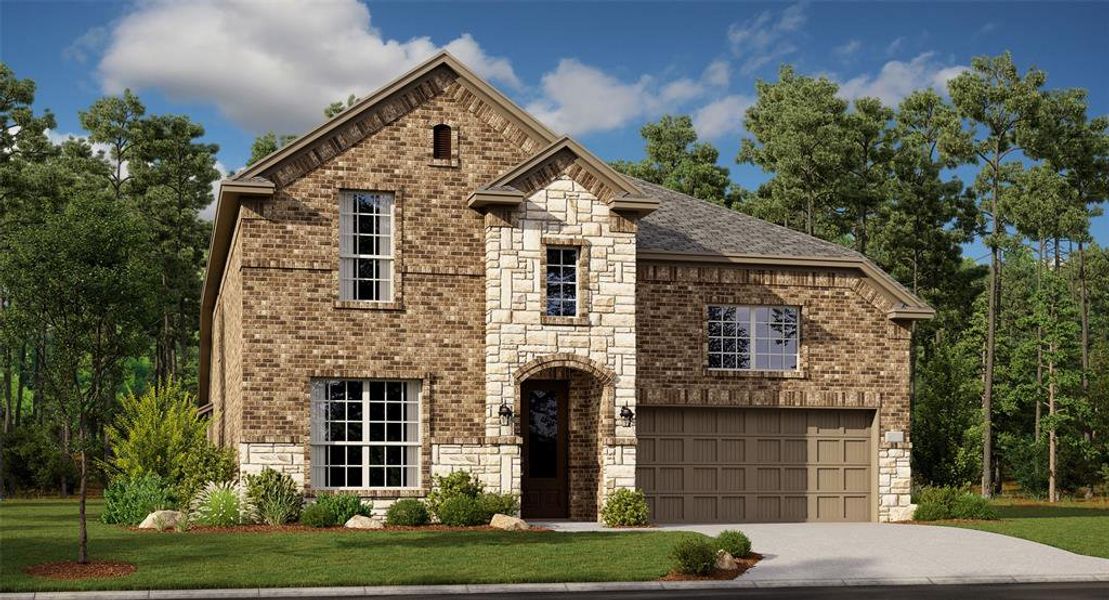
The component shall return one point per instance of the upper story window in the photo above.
(441, 142)
(562, 281)
(365, 434)
(366, 246)
(759, 338)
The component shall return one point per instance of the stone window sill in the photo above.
(373, 492)
(579, 320)
(444, 162)
(368, 305)
(746, 374)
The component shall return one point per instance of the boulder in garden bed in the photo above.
(164, 519)
(726, 561)
(361, 522)
(508, 523)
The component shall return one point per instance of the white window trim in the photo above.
(346, 228)
(319, 400)
(753, 344)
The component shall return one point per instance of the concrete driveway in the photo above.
(797, 552)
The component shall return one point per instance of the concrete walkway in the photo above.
(892, 553)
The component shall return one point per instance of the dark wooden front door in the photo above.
(546, 452)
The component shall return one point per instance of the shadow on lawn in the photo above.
(1043, 511)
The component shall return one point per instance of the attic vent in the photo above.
(441, 141)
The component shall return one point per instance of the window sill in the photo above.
(578, 320)
(751, 373)
(369, 305)
(371, 492)
(444, 162)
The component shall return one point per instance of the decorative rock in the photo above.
(902, 513)
(725, 561)
(360, 522)
(508, 523)
(161, 519)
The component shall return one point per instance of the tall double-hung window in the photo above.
(366, 246)
(365, 434)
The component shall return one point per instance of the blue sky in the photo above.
(597, 71)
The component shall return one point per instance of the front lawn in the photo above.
(1081, 527)
(38, 531)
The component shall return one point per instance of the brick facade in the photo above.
(467, 319)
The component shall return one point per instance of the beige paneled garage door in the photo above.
(704, 465)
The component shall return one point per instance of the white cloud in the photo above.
(89, 43)
(766, 37)
(579, 98)
(848, 49)
(898, 79)
(721, 118)
(267, 66)
(209, 212)
(895, 46)
(718, 73)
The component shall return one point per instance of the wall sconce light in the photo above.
(505, 413)
(627, 416)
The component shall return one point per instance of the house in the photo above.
(433, 280)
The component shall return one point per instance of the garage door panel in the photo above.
(760, 464)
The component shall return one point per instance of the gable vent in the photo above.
(441, 142)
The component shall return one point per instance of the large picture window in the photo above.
(562, 281)
(365, 434)
(366, 246)
(759, 338)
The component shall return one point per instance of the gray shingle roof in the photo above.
(686, 224)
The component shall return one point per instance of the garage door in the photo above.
(705, 465)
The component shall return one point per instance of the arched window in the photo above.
(441, 142)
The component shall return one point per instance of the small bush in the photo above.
(317, 515)
(462, 511)
(492, 503)
(733, 542)
(129, 499)
(457, 484)
(344, 505)
(693, 556)
(219, 505)
(408, 512)
(625, 508)
(201, 465)
(937, 503)
(274, 497)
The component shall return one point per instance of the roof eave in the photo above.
(488, 198)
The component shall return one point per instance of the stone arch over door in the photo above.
(589, 391)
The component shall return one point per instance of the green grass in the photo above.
(37, 531)
(1080, 527)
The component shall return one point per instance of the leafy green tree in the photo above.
(83, 274)
(797, 133)
(337, 107)
(676, 160)
(1000, 106)
(267, 144)
(870, 145)
(173, 173)
(117, 122)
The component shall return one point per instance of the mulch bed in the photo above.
(717, 574)
(71, 569)
(298, 528)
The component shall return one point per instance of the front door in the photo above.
(545, 493)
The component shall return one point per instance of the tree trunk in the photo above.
(38, 403)
(1039, 343)
(22, 372)
(987, 389)
(64, 484)
(83, 532)
(7, 388)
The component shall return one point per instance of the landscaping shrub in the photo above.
(129, 499)
(219, 505)
(462, 511)
(457, 484)
(492, 503)
(344, 505)
(160, 433)
(274, 497)
(317, 515)
(625, 508)
(693, 556)
(937, 503)
(34, 461)
(733, 542)
(407, 512)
